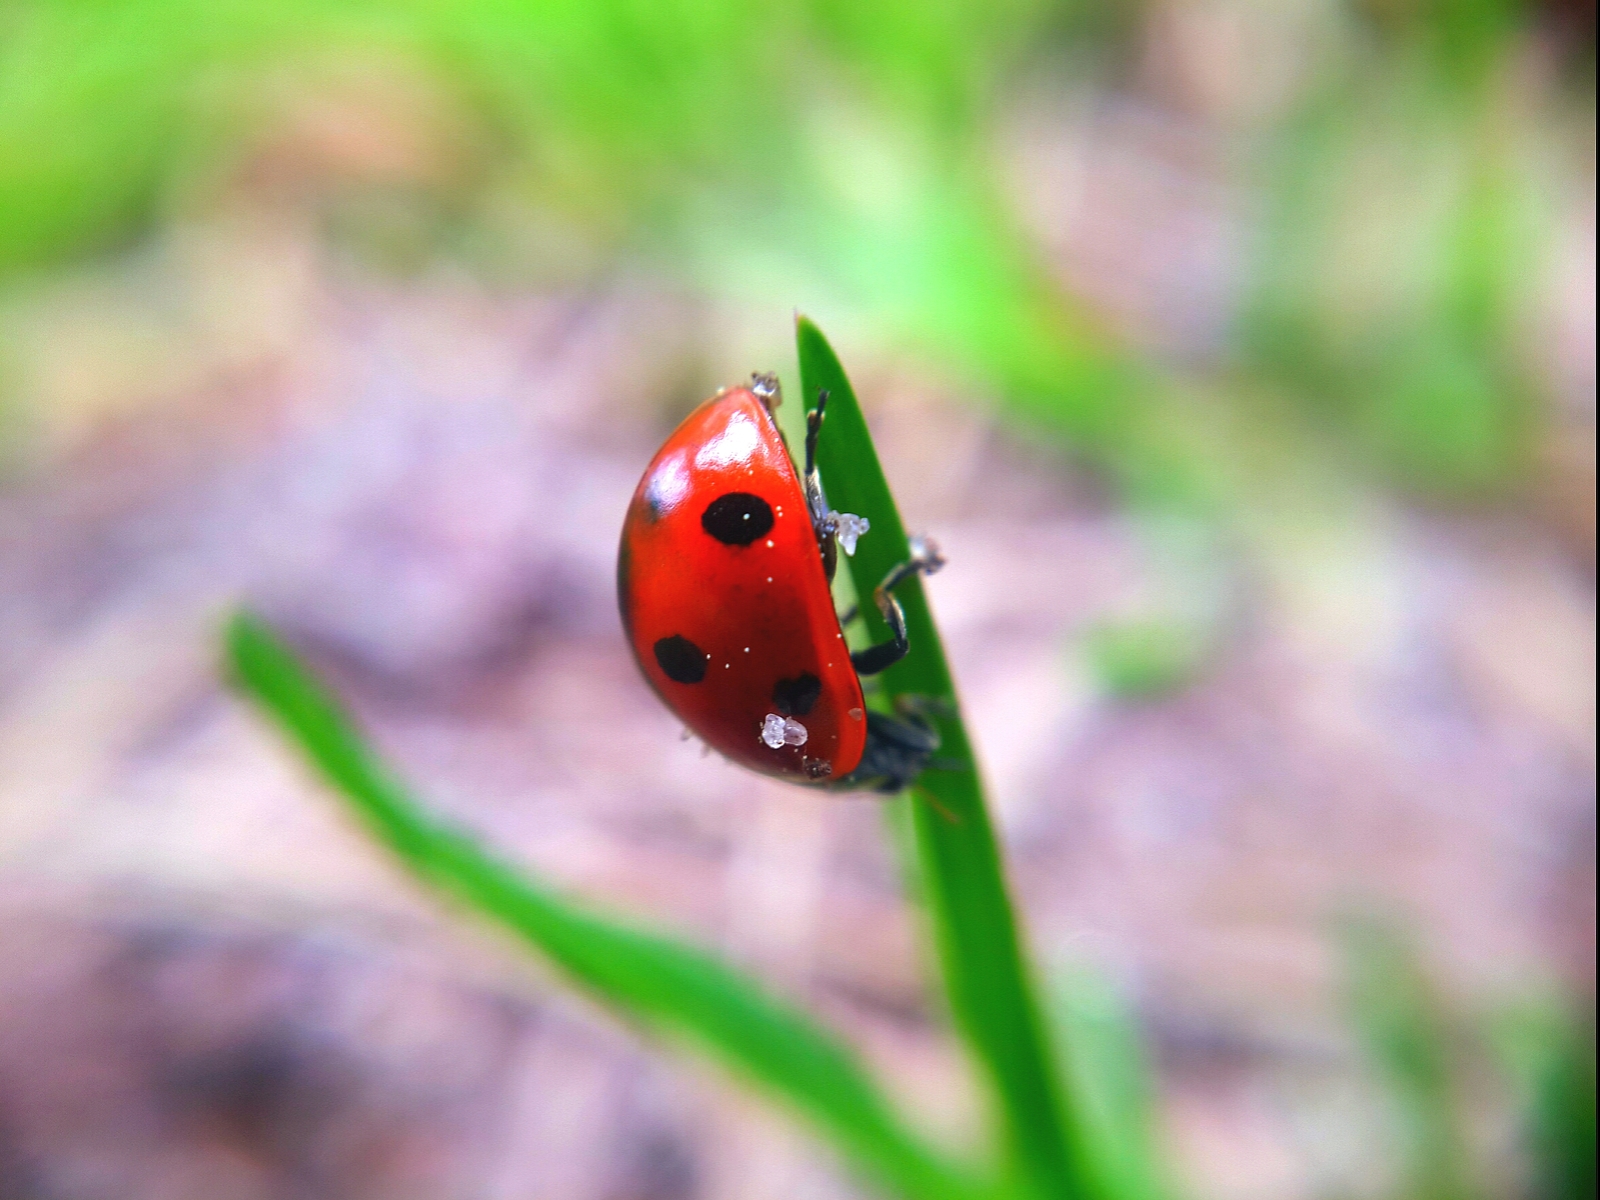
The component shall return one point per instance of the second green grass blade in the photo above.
(666, 984)
(991, 992)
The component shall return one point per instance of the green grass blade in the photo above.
(992, 995)
(1407, 1033)
(1107, 1074)
(1546, 1047)
(1561, 1111)
(667, 985)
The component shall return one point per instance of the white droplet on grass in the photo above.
(848, 528)
(778, 732)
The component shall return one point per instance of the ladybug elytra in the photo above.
(723, 580)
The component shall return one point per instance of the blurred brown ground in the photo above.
(214, 986)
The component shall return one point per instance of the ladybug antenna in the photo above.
(814, 431)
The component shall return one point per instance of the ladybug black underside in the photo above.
(897, 751)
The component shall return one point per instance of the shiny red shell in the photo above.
(725, 601)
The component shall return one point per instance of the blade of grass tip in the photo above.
(672, 986)
(991, 990)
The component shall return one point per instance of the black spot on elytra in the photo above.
(737, 518)
(680, 659)
(794, 697)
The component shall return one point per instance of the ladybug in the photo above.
(723, 578)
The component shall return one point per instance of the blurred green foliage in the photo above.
(1408, 1034)
(1427, 1051)
(844, 156)
(1407, 223)
(1549, 1049)
(1108, 1075)
(1138, 658)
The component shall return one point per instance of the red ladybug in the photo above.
(723, 581)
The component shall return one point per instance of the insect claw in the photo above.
(926, 556)
(765, 387)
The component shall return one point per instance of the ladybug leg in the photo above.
(849, 614)
(925, 560)
(833, 529)
(919, 710)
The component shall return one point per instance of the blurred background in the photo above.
(1240, 353)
